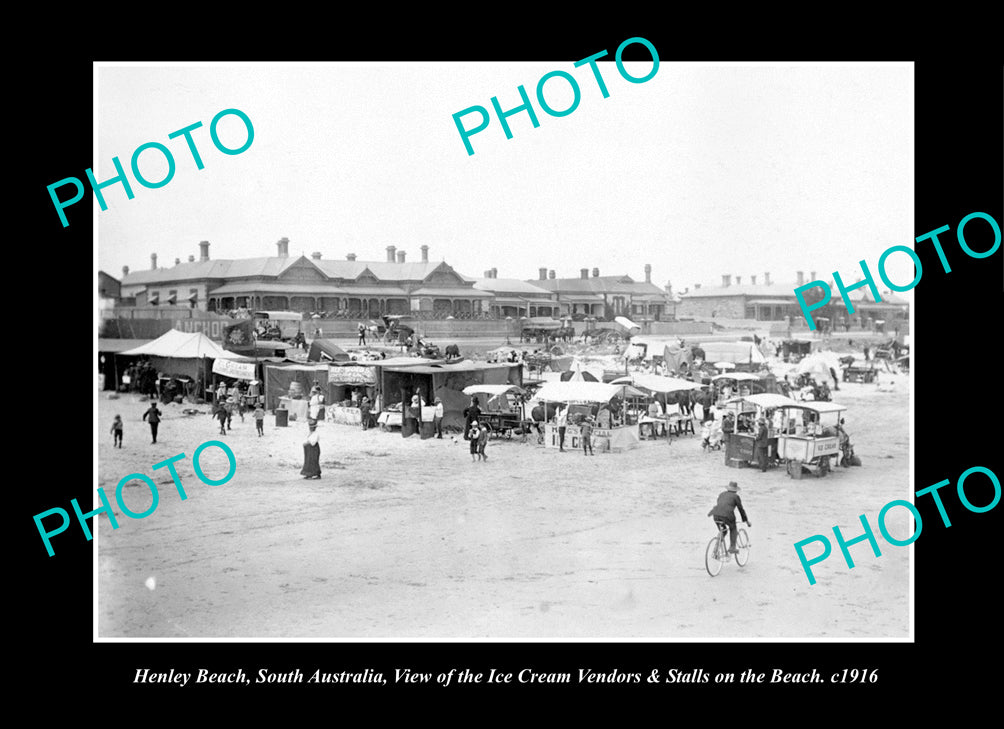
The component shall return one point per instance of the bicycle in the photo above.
(717, 552)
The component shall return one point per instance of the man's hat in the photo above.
(733, 486)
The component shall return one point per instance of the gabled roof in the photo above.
(226, 269)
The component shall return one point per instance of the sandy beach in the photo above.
(406, 538)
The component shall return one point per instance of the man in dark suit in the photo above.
(724, 512)
(152, 416)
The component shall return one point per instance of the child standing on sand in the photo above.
(259, 419)
(473, 435)
(117, 431)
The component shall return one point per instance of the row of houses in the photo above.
(353, 288)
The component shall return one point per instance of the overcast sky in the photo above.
(701, 171)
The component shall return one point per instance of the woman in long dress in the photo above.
(311, 454)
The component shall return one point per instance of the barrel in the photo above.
(295, 391)
(409, 426)
(281, 418)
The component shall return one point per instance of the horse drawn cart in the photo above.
(859, 371)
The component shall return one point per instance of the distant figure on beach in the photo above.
(311, 453)
(586, 431)
(117, 431)
(437, 419)
(152, 416)
(259, 419)
(221, 414)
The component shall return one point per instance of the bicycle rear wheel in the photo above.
(711, 559)
(743, 545)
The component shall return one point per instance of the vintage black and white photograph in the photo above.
(503, 351)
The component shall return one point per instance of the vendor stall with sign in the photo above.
(743, 415)
(605, 402)
(809, 436)
(348, 384)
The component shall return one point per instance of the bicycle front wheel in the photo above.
(711, 559)
(743, 545)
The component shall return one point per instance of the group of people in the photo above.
(586, 424)
(152, 416)
(141, 377)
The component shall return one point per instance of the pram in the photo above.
(711, 436)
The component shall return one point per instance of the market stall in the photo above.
(667, 392)
(745, 412)
(606, 402)
(400, 379)
(348, 383)
(809, 436)
(502, 408)
(288, 384)
(185, 354)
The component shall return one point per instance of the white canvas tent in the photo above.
(183, 353)
(183, 345)
(736, 352)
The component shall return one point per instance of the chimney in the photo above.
(316, 255)
(812, 275)
(425, 254)
(125, 271)
(648, 273)
(801, 278)
(550, 273)
(697, 286)
(350, 257)
(739, 280)
(191, 258)
(390, 253)
(726, 281)
(766, 278)
(584, 272)
(596, 272)
(203, 250)
(177, 261)
(488, 273)
(543, 274)
(283, 246)
(153, 261)
(495, 273)
(753, 280)
(400, 256)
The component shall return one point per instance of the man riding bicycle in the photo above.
(724, 512)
